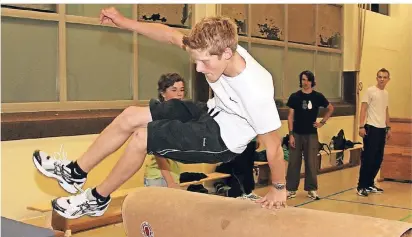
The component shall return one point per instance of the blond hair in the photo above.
(214, 34)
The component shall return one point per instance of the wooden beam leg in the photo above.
(48, 220)
(58, 222)
(67, 233)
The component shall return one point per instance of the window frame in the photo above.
(249, 39)
(63, 104)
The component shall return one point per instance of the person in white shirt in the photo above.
(375, 131)
(242, 108)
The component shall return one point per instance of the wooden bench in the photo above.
(112, 216)
(356, 147)
(354, 160)
(260, 163)
(210, 177)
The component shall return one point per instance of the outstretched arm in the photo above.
(154, 31)
(276, 196)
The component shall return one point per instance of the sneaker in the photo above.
(362, 192)
(374, 189)
(221, 188)
(58, 168)
(79, 205)
(251, 196)
(314, 195)
(291, 194)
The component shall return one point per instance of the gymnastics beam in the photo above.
(166, 212)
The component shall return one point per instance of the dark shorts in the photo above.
(183, 131)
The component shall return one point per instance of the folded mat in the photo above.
(12, 228)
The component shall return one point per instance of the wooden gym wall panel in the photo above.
(301, 23)
(268, 21)
(397, 160)
(238, 12)
(401, 133)
(172, 14)
(330, 25)
(29, 125)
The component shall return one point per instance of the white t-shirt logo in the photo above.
(306, 105)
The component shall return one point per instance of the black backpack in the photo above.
(339, 142)
(350, 144)
(322, 148)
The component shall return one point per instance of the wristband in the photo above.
(279, 186)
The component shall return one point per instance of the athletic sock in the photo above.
(77, 172)
(100, 198)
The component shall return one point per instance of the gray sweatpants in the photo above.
(307, 144)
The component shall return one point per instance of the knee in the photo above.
(132, 117)
(139, 140)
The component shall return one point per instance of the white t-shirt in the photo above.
(246, 104)
(377, 100)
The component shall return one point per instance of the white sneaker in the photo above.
(374, 189)
(79, 205)
(291, 194)
(314, 195)
(57, 168)
(251, 196)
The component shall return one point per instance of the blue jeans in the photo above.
(160, 182)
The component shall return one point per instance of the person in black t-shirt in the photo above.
(303, 135)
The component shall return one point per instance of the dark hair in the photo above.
(310, 77)
(167, 80)
(383, 70)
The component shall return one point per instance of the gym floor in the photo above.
(338, 194)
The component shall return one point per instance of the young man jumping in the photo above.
(243, 107)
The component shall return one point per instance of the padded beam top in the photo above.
(150, 212)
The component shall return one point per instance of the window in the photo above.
(271, 58)
(32, 7)
(330, 26)
(268, 21)
(244, 45)
(99, 63)
(60, 54)
(328, 74)
(380, 8)
(29, 74)
(177, 15)
(377, 8)
(301, 23)
(288, 39)
(238, 13)
(298, 60)
(155, 59)
(107, 67)
(93, 10)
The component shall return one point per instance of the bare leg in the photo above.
(128, 164)
(114, 136)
